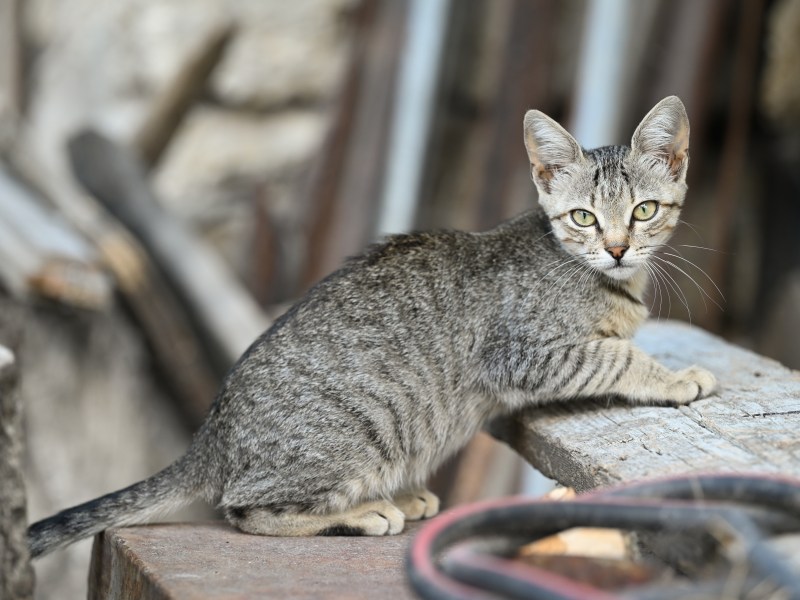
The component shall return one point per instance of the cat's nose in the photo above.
(617, 252)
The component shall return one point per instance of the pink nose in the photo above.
(617, 251)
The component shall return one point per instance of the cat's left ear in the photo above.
(664, 135)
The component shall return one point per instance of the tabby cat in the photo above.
(333, 419)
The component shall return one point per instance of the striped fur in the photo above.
(334, 418)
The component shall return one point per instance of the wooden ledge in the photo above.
(750, 424)
(214, 561)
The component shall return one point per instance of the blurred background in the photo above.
(173, 174)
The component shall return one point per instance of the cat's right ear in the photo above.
(550, 148)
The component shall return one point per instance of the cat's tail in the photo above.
(167, 490)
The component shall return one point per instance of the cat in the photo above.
(333, 419)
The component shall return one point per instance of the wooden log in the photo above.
(171, 106)
(225, 313)
(16, 575)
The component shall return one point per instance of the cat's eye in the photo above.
(583, 217)
(645, 211)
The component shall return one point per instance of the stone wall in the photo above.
(251, 136)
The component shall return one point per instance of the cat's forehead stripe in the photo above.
(611, 179)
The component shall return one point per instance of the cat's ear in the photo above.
(550, 148)
(664, 135)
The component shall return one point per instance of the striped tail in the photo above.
(165, 491)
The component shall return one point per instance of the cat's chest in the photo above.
(622, 311)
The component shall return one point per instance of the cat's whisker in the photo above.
(694, 281)
(692, 227)
(569, 276)
(656, 290)
(673, 284)
(570, 261)
(561, 278)
(705, 305)
(721, 295)
(662, 291)
(573, 258)
(670, 246)
(587, 276)
(702, 248)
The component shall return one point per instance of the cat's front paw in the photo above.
(692, 384)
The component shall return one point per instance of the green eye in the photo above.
(645, 211)
(583, 217)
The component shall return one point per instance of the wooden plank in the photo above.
(349, 183)
(750, 424)
(214, 561)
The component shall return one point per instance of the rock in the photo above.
(217, 146)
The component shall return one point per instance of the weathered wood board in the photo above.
(752, 423)
(213, 561)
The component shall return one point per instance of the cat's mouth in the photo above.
(620, 270)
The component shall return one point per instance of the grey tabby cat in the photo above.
(333, 419)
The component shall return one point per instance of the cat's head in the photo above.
(615, 205)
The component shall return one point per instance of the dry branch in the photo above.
(171, 106)
(177, 349)
(41, 255)
(224, 311)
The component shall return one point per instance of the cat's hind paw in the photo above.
(381, 518)
(418, 504)
(692, 384)
(373, 518)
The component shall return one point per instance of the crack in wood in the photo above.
(772, 414)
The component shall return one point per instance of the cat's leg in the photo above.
(371, 518)
(609, 366)
(417, 504)
(614, 366)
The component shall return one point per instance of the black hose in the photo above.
(745, 508)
